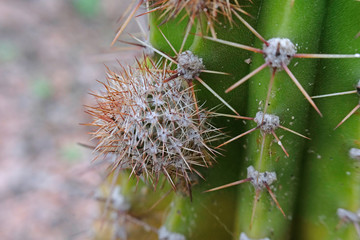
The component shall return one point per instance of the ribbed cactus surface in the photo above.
(244, 124)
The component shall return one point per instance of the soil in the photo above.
(51, 54)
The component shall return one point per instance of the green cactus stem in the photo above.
(331, 177)
(279, 19)
(290, 187)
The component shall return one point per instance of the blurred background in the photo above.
(51, 54)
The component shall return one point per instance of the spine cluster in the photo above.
(151, 127)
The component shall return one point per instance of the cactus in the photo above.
(200, 169)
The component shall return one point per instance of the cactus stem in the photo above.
(271, 83)
(158, 202)
(262, 150)
(256, 199)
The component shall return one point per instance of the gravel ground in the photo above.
(51, 54)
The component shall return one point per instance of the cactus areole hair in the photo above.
(279, 52)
